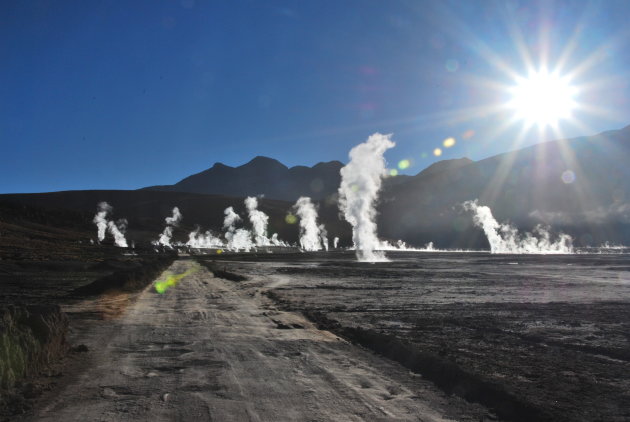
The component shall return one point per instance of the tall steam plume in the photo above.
(100, 219)
(309, 230)
(323, 235)
(505, 238)
(171, 222)
(259, 221)
(360, 183)
(117, 229)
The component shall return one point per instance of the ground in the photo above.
(210, 349)
(319, 336)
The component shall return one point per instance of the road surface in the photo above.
(209, 349)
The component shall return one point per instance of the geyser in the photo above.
(171, 222)
(259, 221)
(505, 238)
(236, 238)
(309, 230)
(117, 229)
(206, 240)
(361, 181)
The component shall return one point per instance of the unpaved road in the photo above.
(209, 350)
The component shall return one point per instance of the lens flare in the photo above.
(404, 164)
(437, 152)
(568, 177)
(448, 142)
(171, 281)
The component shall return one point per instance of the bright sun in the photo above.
(543, 99)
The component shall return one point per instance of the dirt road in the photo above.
(208, 350)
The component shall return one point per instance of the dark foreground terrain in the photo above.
(305, 336)
(530, 337)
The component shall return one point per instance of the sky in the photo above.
(121, 95)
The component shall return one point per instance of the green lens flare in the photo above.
(171, 281)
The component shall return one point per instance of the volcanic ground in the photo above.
(319, 336)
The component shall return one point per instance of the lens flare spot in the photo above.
(404, 164)
(171, 281)
(219, 251)
(290, 219)
(452, 65)
(424, 155)
(393, 172)
(468, 134)
(448, 142)
(437, 152)
(568, 176)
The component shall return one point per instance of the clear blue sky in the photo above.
(124, 94)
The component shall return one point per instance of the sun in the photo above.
(543, 99)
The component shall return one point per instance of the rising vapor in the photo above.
(100, 219)
(236, 239)
(309, 230)
(505, 238)
(117, 230)
(259, 221)
(206, 240)
(361, 181)
(171, 222)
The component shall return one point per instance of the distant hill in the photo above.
(580, 186)
(262, 176)
(267, 177)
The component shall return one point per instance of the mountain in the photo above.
(580, 186)
(262, 176)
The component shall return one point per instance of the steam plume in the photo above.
(259, 221)
(309, 231)
(360, 183)
(335, 242)
(236, 238)
(505, 238)
(172, 221)
(323, 235)
(117, 230)
(203, 240)
(100, 219)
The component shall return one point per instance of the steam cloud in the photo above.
(309, 230)
(171, 222)
(100, 219)
(117, 229)
(259, 221)
(361, 181)
(335, 242)
(203, 240)
(505, 238)
(236, 238)
(323, 235)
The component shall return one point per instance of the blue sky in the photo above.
(120, 95)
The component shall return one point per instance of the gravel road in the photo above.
(206, 349)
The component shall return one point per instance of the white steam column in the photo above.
(309, 230)
(361, 181)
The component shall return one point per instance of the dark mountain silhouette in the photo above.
(580, 186)
(262, 176)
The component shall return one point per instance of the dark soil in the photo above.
(531, 337)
